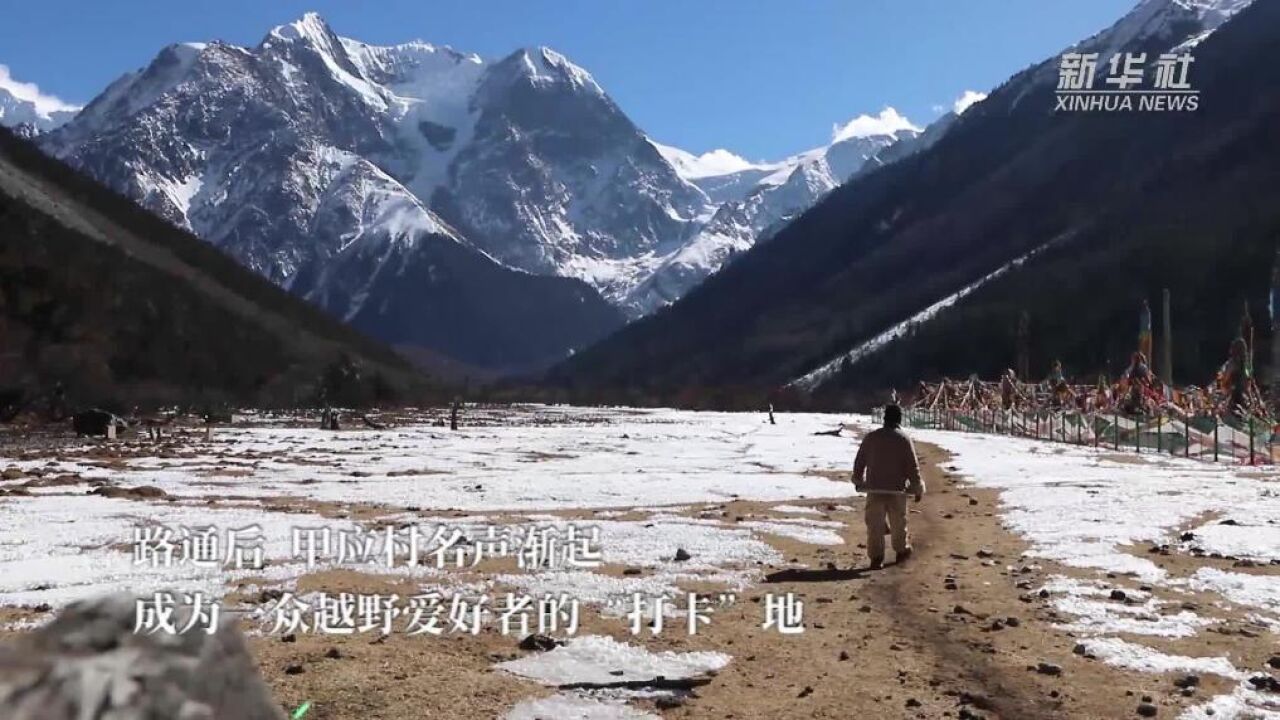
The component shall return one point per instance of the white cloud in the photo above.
(887, 122)
(721, 162)
(30, 92)
(710, 164)
(968, 98)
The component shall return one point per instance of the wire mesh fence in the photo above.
(1207, 437)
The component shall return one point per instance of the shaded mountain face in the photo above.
(312, 158)
(1084, 198)
(103, 303)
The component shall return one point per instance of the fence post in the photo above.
(1159, 425)
(1115, 427)
(1080, 429)
(1186, 430)
(1215, 437)
(1137, 433)
(1251, 455)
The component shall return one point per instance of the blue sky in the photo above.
(763, 78)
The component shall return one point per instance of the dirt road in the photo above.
(958, 631)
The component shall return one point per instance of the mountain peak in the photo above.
(543, 65)
(309, 31)
(311, 26)
(1163, 19)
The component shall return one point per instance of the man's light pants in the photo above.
(886, 509)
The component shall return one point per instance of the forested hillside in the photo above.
(101, 302)
(1120, 204)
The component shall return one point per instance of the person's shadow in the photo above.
(791, 575)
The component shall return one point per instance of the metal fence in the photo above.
(1210, 438)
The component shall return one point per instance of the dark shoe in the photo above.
(877, 564)
(904, 556)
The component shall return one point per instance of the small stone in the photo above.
(1119, 595)
(1265, 683)
(1012, 621)
(333, 653)
(1186, 681)
(294, 669)
(682, 555)
(913, 703)
(806, 692)
(1274, 661)
(539, 642)
(289, 638)
(844, 655)
(1146, 709)
(1048, 668)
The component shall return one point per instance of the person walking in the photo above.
(886, 469)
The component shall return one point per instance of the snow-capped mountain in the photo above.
(313, 160)
(525, 159)
(755, 200)
(25, 108)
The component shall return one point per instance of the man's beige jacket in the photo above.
(886, 463)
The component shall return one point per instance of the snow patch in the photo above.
(565, 706)
(601, 659)
(1132, 656)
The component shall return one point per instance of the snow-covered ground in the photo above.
(1103, 513)
(652, 482)
(63, 543)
